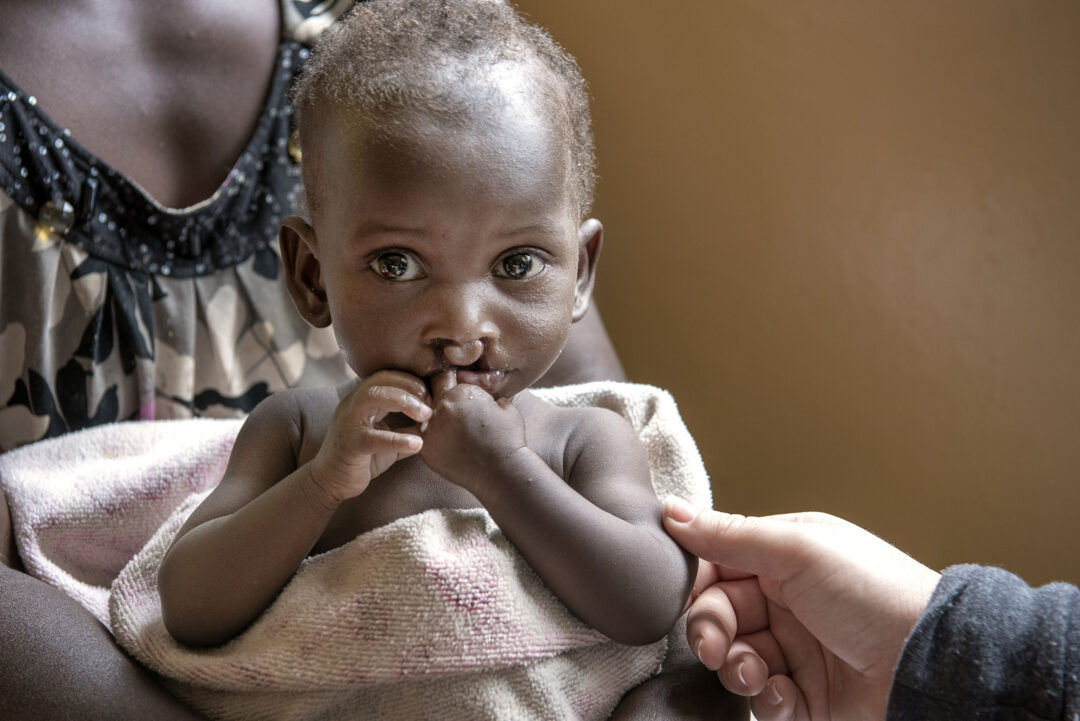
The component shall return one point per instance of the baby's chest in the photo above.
(406, 488)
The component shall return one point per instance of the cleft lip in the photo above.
(489, 372)
(490, 380)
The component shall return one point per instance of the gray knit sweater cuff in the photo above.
(991, 648)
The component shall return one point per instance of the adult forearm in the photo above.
(220, 575)
(628, 581)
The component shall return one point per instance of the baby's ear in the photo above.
(303, 274)
(590, 240)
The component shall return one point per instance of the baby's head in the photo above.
(387, 62)
(448, 164)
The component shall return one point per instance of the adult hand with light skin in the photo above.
(806, 613)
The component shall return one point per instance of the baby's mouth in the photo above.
(489, 380)
(478, 374)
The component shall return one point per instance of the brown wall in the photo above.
(846, 236)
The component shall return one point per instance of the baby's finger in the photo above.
(402, 443)
(400, 379)
(443, 382)
(378, 401)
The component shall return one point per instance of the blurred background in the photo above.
(846, 236)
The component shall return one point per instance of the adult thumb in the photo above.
(754, 545)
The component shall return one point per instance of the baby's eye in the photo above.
(519, 265)
(396, 265)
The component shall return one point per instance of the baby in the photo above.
(448, 165)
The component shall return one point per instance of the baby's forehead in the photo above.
(504, 151)
(457, 94)
(503, 123)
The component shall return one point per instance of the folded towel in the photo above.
(432, 616)
(84, 503)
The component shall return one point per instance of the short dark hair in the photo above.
(378, 60)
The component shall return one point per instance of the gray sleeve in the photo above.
(991, 648)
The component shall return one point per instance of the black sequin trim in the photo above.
(117, 222)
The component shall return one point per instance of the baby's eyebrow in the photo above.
(375, 227)
(542, 228)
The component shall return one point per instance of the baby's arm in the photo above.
(246, 540)
(596, 538)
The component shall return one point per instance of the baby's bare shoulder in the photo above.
(587, 417)
(320, 400)
(292, 414)
(575, 428)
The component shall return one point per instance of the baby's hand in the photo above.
(359, 443)
(471, 434)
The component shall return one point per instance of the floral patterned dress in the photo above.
(113, 307)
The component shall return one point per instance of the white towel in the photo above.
(84, 503)
(432, 616)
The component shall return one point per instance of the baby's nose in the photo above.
(464, 353)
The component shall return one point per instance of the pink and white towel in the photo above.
(432, 616)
